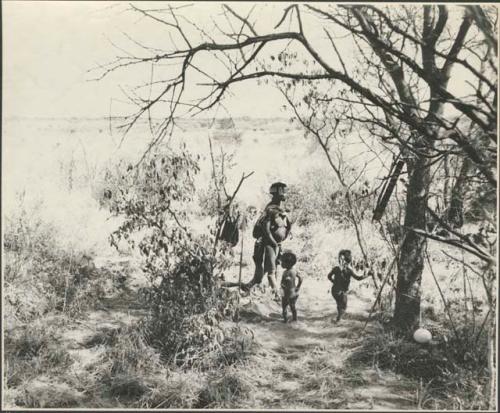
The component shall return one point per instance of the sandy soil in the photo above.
(316, 338)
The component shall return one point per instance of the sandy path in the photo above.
(117, 310)
(307, 359)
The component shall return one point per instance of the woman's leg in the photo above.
(270, 265)
(258, 258)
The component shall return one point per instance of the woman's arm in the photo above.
(288, 226)
(267, 232)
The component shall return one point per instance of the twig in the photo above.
(379, 292)
(227, 207)
(447, 308)
(482, 326)
(461, 237)
(241, 263)
(487, 258)
(214, 175)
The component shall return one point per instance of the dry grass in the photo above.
(33, 351)
(452, 371)
(178, 390)
(225, 388)
(47, 392)
(35, 364)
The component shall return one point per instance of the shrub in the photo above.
(186, 302)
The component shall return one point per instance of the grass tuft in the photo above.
(225, 389)
(452, 370)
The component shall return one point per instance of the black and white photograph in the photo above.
(249, 205)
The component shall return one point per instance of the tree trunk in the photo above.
(411, 260)
(455, 212)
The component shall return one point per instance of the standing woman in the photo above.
(270, 230)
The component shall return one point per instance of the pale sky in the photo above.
(49, 46)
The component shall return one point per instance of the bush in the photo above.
(185, 300)
(132, 371)
(47, 281)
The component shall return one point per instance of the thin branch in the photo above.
(336, 50)
(244, 20)
(487, 258)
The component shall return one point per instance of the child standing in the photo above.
(290, 290)
(340, 276)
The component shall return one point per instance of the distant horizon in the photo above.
(15, 117)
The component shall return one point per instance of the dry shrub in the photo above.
(324, 391)
(104, 336)
(320, 384)
(127, 386)
(387, 350)
(33, 354)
